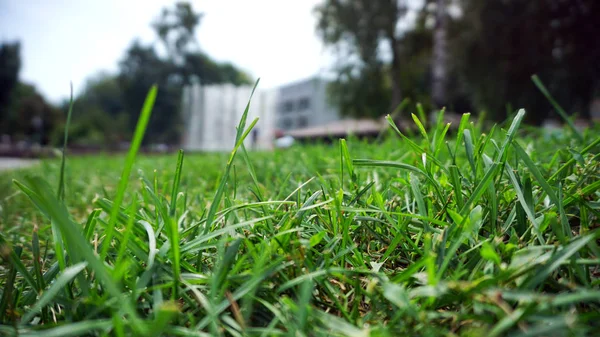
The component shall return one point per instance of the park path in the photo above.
(15, 163)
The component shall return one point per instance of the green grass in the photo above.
(425, 234)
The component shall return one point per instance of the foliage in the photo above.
(176, 28)
(100, 118)
(141, 68)
(185, 63)
(508, 41)
(494, 47)
(360, 29)
(365, 95)
(494, 231)
(10, 64)
(24, 113)
(30, 117)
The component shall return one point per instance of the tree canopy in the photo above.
(10, 65)
(481, 58)
(172, 62)
(24, 112)
(361, 29)
(500, 44)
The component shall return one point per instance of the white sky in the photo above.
(71, 40)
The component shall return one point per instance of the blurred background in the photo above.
(329, 66)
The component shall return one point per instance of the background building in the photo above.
(211, 114)
(304, 104)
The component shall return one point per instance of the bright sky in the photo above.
(71, 40)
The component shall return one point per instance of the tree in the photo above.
(184, 63)
(99, 114)
(176, 29)
(200, 67)
(499, 44)
(440, 55)
(103, 91)
(139, 70)
(358, 96)
(10, 64)
(24, 113)
(361, 29)
(32, 118)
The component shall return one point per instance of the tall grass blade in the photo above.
(239, 139)
(140, 129)
(176, 183)
(563, 114)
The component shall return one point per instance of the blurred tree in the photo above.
(184, 63)
(24, 113)
(200, 67)
(31, 117)
(99, 117)
(10, 64)
(366, 94)
(103, 91)
(176, 29)
(361, 29)
(439, 60)
(498, 45)
(139, 70)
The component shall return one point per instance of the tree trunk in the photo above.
(440, 56)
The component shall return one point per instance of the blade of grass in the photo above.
(563, 254)
(15, 261)
(239, 139)
(176, 182)
(44, 198)
(61, 281)
(68, 330)
(9, 285)
(464, 122)
(174, 228)
(529, 211)
(61, 181)
(538, 83)
(569, 163)
(140, 129)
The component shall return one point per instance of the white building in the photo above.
(211, 114)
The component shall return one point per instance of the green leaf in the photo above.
(489, 253)
(317, 238)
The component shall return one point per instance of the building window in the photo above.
(302, 121)
(303, 104)
(288, 106)
(286, 123)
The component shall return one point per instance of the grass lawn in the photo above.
(476, 233)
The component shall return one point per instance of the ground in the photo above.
(489, 232)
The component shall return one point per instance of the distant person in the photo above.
(254, 138)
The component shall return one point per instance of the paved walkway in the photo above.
(15, 163)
